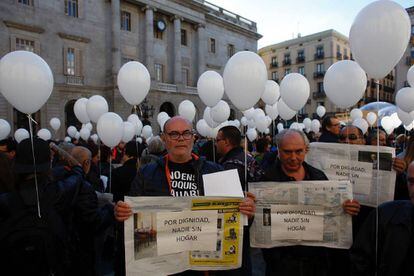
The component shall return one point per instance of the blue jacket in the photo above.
(152, 181)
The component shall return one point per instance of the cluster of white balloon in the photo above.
(405, 102)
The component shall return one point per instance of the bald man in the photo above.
(178, 173)
(395, 238)
(83, 157)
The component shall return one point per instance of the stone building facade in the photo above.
(85, 42)
(311, 56)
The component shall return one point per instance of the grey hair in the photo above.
(156, 145)
(281, 136)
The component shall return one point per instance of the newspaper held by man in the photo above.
(301, 213)
(372, 184)
(168, 235)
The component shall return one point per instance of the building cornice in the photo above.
(24, 27)
(232, 26)
(74, 37)
(303, 39)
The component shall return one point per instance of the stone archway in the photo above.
(168, 108)
(70, 117)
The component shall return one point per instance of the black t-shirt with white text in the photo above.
(183, 179)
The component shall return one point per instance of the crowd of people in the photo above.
(56, 217)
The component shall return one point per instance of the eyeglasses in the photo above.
(350, 137)
(175, 135)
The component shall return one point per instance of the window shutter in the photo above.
(65, 61)
(78, 62)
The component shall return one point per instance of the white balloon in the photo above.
(44, 134)
(89, 126)
(271, 111)
(261, 123)
(21, 134)
(162, 117)
(202, 128)
(267, 131)
(409, 127)
(134, 82)
(258, 112)
(220, 112)
(26, 81)
(244, 121)
(345, 83)
(410, 76)
(294, 125)
(210, 88)
(280, 127)
(371, 118)
(379, 36)
(361, 124)
(95, 138)
(315, 125)
(268, 120)
(55, 123)
(207, 117)
(251, 124)
(77, 135)
(235, 123)
(251, 134)
(85, 133)
(68, 139)
(356, 113)
(405, 99)
(284, 111)
(320, 110)
(139, 140)
(147, 131)
(271, 93)
(110, 129)
(136, 122)
(187, 110)
(72, 131)
(294, 90)
(249, 113)
(386, 123)
(129, 132)
(244, 77)
(162, 123)
(307, 122)
(80, 110)
(96, 107)
(4, 129)
(404, 117)
(396, 122)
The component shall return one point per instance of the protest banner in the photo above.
(168, 235)
(357, 163)
(301, 213)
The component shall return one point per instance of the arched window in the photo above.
(168, 108)
(70, 117)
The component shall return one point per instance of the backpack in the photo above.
(30, 245)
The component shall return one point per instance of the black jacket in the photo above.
(275, 173)
(122, 178)
(328, 137)
(395, 228)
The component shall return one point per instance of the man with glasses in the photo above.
(351, 135)
(386, 246)
(178, 173)
(330, 130)
(301, 260)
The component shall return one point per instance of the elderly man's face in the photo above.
(351, 135)
(292, 151)
(410, 181)
(178, 138)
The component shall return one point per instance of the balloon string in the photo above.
(245, 165)
(214, 150)
(110, 172)
(29, 116)
(377, 188)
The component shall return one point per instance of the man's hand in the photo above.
(351, 207)
(398, 165)
(248, 206)
(122, 211)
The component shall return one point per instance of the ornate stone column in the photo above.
(177, 50)
(149, 39)
(202, 49)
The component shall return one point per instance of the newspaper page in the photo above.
(372, 184)
(167, 235)
(301, 213)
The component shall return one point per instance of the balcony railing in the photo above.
(319, 55)
(300, 59)
(338, 56)
(274, 64)
(318, 74)
(319, 94)
(287, 62)
(165, 87)
(74, 80)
